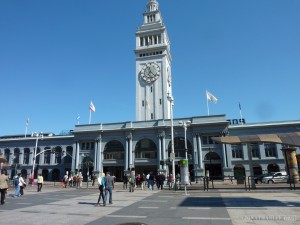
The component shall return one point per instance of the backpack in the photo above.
(99, 181)
(16, 181)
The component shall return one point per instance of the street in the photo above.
(56, 205)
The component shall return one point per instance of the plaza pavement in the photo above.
(56, 205)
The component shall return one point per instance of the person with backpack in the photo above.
(16, 185)
(101, 185)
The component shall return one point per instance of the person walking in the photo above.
(40, 181)
(151, 181)
(132, 181)
(101, 184)
(66, 180)
(147, 180)
(80, 180)
(125, 181)
(16, 184)
(109, 185)
(170, 181)
(3, 185)
(22, 184)
(94, 178)
(143, 181)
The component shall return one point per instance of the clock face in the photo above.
(150, 72)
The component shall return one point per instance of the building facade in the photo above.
(145, 144)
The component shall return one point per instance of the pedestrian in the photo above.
(80, 180)
(132, 181)
(138, 181)
(125, 181)
(170, 181)
(71, 181)
(177, 182)
(151, 181)
(3, 185)
(94, 178)
(40, 181)
(16, 184)
(75, 181)
(161, 180)
(143, 181)
(147, 180)
(66, 180)
(156, 180)
(22, 184)
(101, 185)
(109, 185)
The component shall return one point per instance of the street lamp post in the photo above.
(185, 124)
(172, 155)
(37, 135)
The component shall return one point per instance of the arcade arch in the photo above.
(114, 155)
(213, 166)
(273, 168)
(145, 150)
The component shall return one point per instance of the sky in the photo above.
(57, 56)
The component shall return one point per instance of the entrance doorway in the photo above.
(214, 171)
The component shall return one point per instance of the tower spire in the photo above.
(153, 66)
(152, 6)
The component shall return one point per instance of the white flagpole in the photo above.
(207, 104)
(26, 128)
(241, 113)
(90, 116)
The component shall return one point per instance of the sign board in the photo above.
(184, 172)
(172, 156)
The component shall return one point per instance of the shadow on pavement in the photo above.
(234, 202)
(86, 203)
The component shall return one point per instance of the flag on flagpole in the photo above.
(211, 97)
(92, 107)
(240, 106)
(27, 122)
(78, 118)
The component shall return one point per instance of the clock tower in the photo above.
(153, 67)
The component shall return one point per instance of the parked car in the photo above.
(275, 177)
(258, 179)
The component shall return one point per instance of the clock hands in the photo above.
(150, 72)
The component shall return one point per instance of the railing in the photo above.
(246, 183)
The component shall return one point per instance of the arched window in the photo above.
(58, 153)
(26, 156)
(179, 148)
(69, 153)
(212, 156)
(145, 149)
(114, 150)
